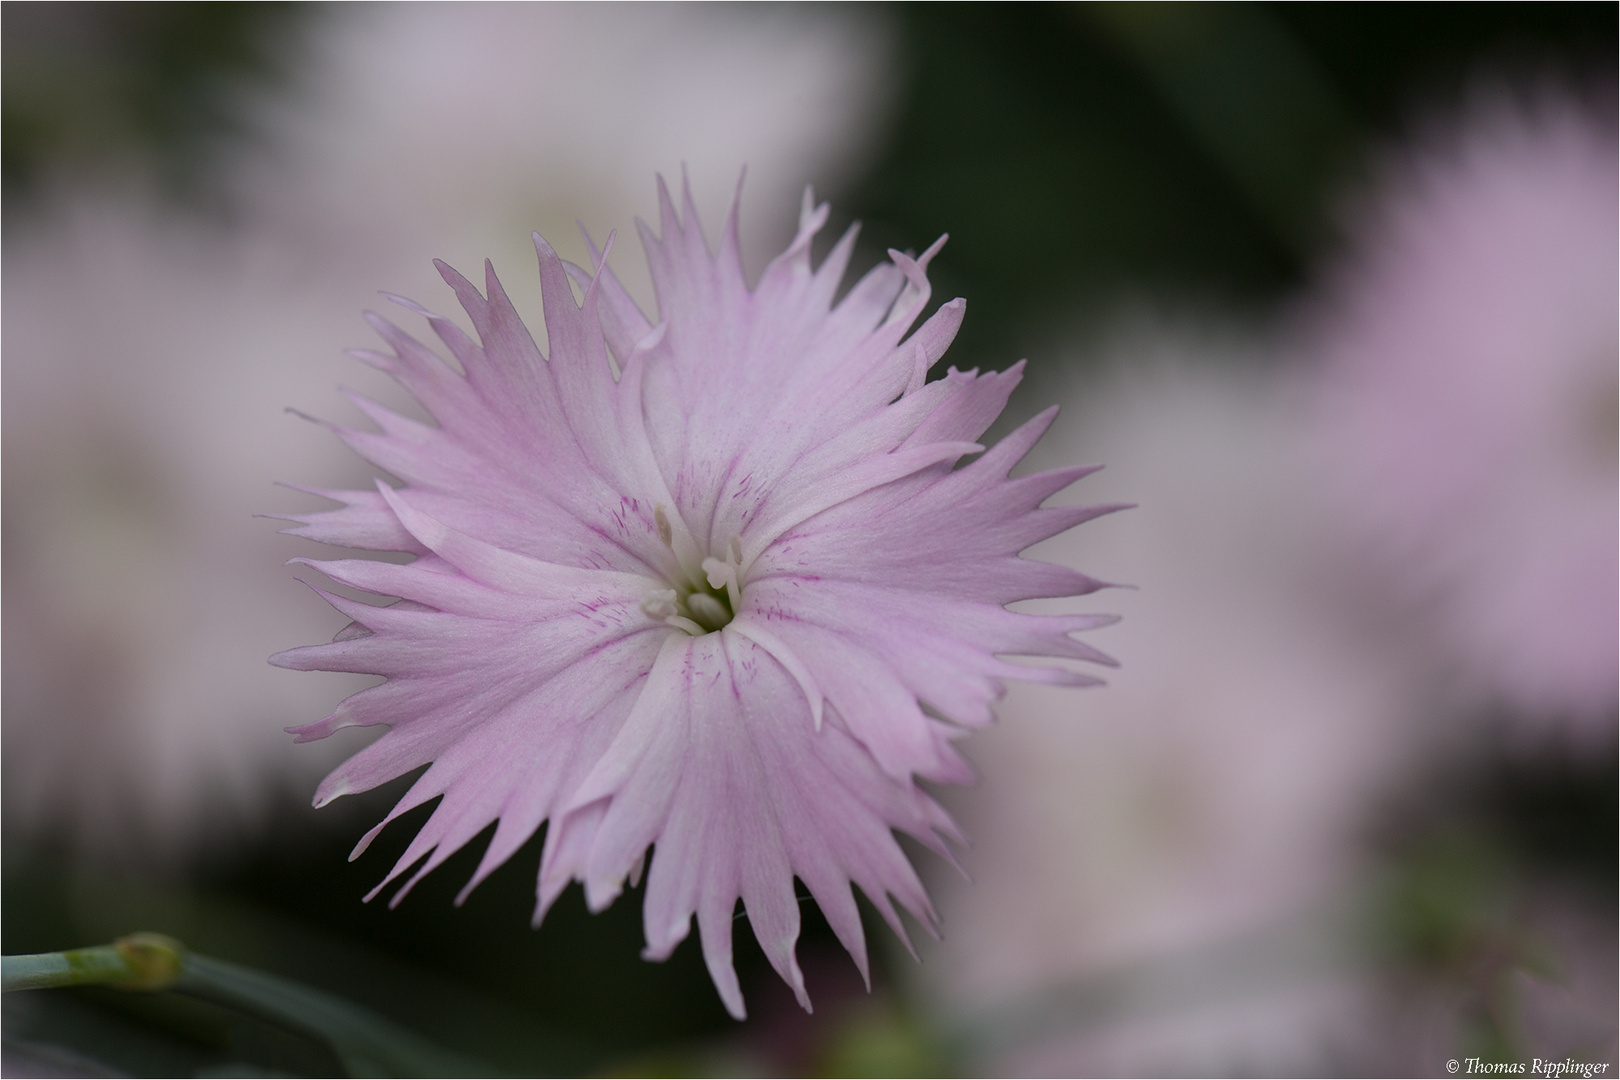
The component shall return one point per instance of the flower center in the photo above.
(699, 602)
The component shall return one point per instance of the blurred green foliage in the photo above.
(1466, 856)
(1078, 153)
(101, 85)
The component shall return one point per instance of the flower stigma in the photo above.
(703, 602)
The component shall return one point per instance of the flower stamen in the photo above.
(681, 622)
(727, 574)
(659, 604)
(663, 606)
(690, 606)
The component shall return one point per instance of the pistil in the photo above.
(690, 606)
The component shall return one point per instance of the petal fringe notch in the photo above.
(724, 584)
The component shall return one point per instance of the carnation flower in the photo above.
(1468, 399)
(715, 586)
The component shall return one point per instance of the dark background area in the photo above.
(1077, 153)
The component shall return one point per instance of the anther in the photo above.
(665, 533)
(659, 604)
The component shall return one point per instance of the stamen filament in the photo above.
(734, 582)
(681, 622)
(727, 574)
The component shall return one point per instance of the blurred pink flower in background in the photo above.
(463, 127)
(148, 356)
(146, 362)
(1199, 822)
(1467, 388)
(1165, 878)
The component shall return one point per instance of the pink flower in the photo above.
(715, 586)
(1469, 393)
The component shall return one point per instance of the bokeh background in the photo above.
(1331, 289)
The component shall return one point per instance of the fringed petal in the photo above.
(777, 457)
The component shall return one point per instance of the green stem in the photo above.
(137, 962)
(74, 968)
(367, 1044)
